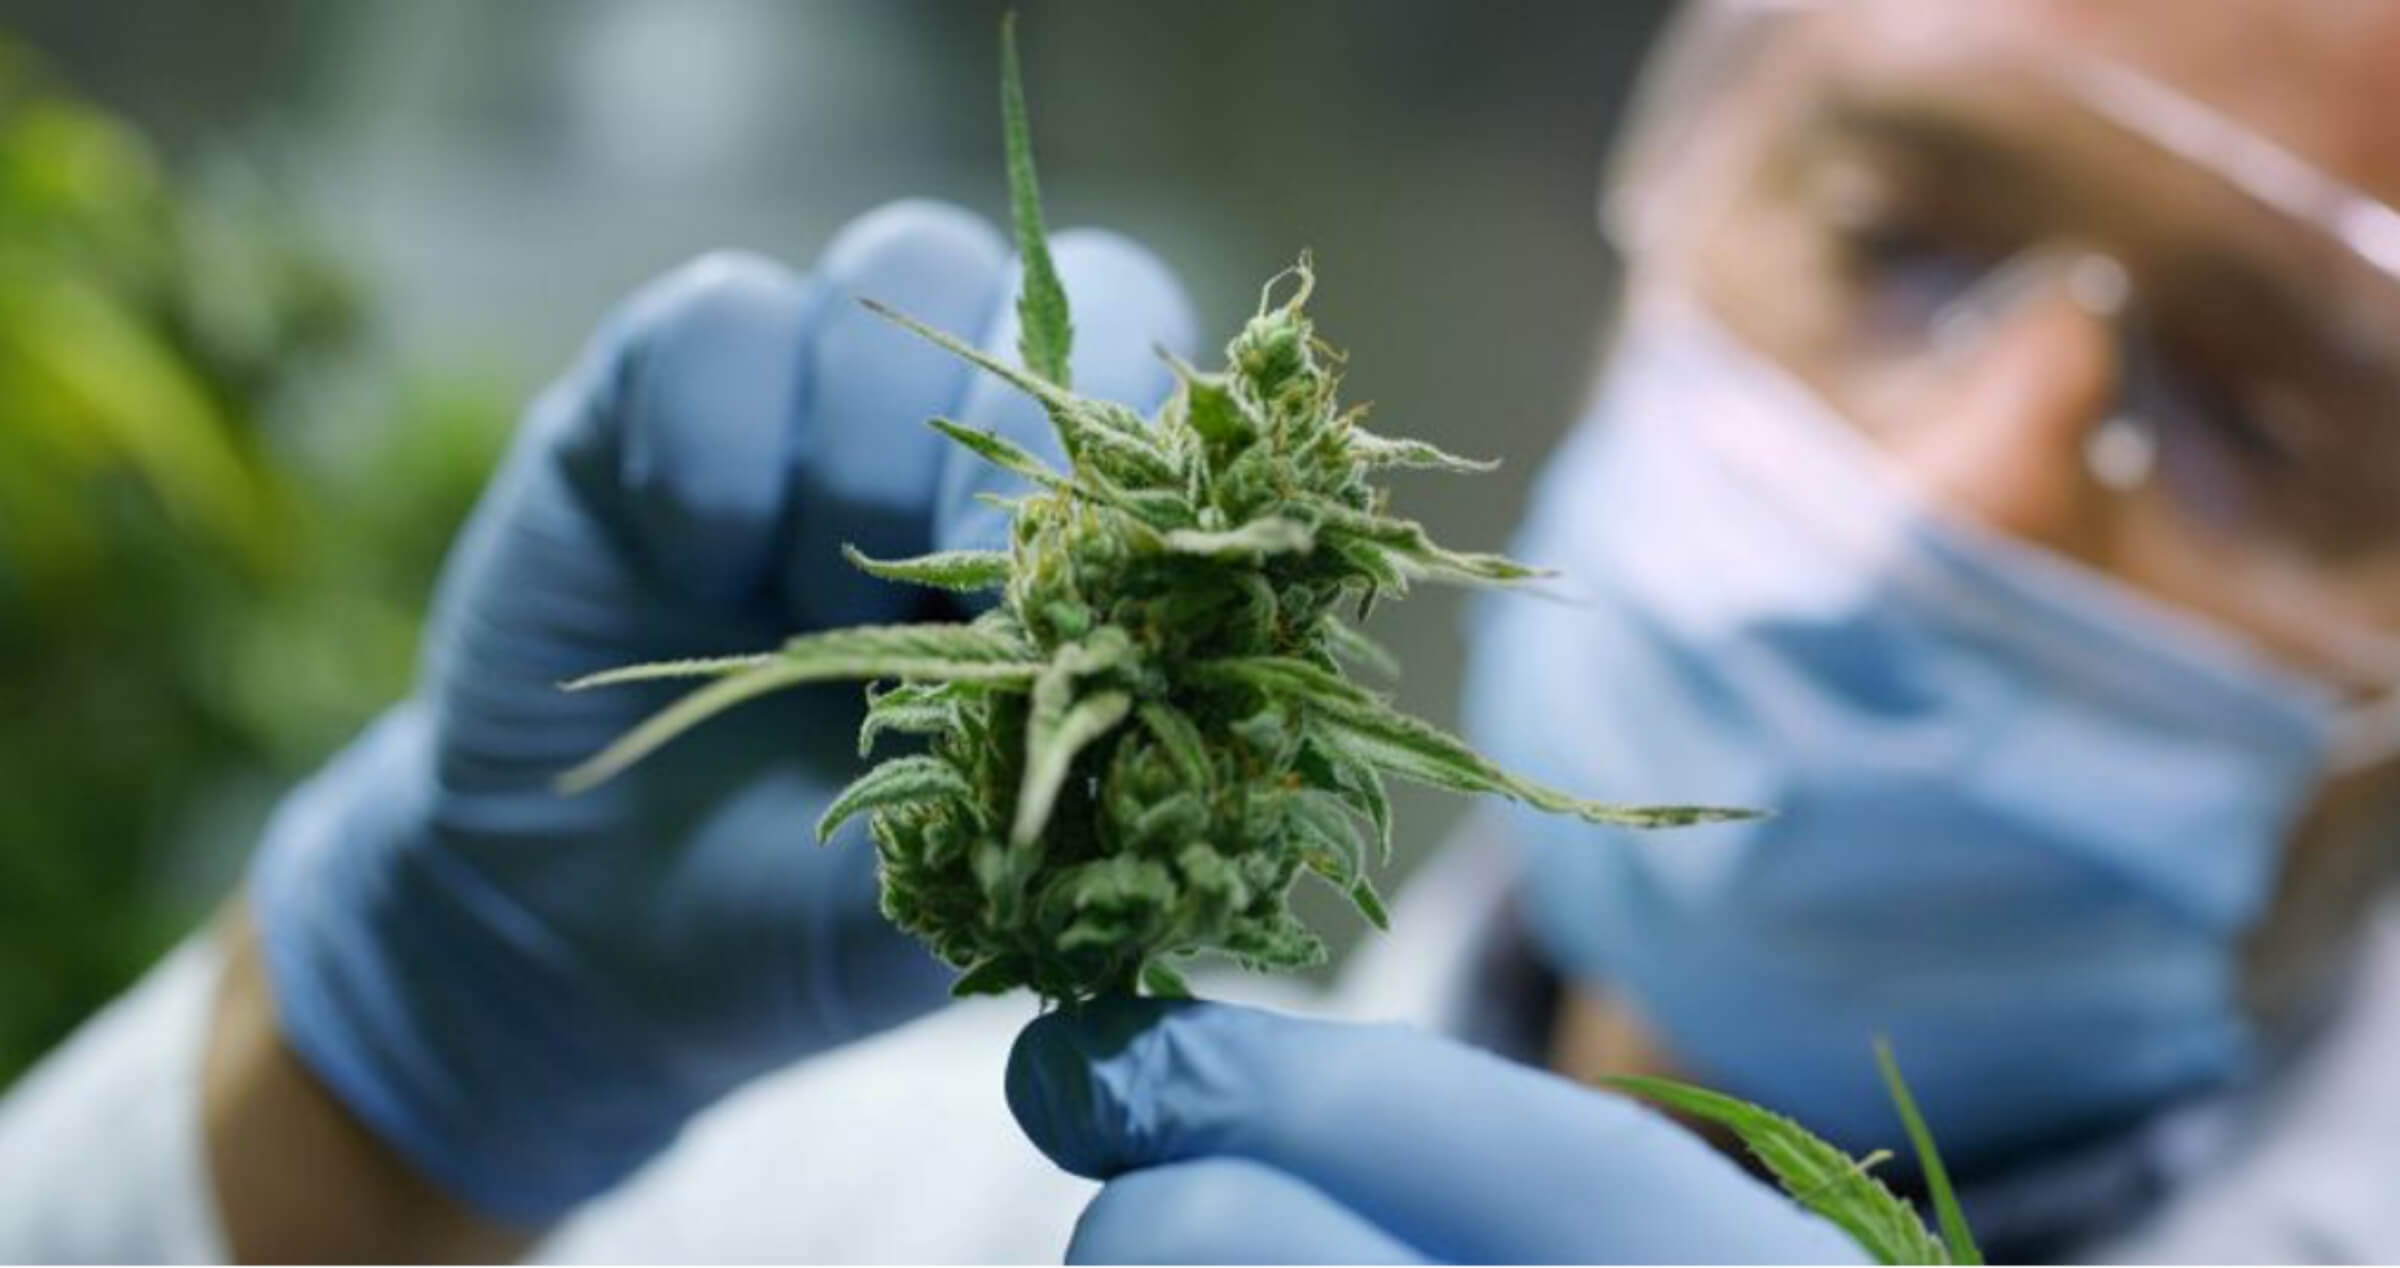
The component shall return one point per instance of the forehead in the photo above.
(2314, 76)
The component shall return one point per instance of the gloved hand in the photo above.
(527, 994)
(1229, 1135)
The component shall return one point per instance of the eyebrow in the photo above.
(1937, 138)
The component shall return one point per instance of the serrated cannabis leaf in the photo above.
(912, 708)
(1816, 1175)
(938, 652)
(1135, 755)
(997, 450)
(1413, 748)
(1044, 332)
(696, 667)
(1397, 451)
(1955, 1236)
(896, 782)
(961, 570)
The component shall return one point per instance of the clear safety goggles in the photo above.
(1878, 204)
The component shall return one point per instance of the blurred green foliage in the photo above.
(219, 519)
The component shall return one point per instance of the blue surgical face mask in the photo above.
(2021, 817)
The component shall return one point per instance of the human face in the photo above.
(1874, 171)
(1938, 217)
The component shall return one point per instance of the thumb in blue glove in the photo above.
(527, 995)
(1235, 1135)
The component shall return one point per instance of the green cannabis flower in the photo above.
(1133, 756)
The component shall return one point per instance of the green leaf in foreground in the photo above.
(1955, 1235)
(938, 652)
(1816, 1175)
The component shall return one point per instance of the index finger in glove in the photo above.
(728, 394)
(1451, 1149)
(736, 424)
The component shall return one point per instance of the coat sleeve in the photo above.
(101, 1158)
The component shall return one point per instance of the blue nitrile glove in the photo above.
(527, 994)
(1230, 1135)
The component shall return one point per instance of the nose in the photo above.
(2026, 375)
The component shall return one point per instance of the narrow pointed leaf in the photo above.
(1397, 451)
(896, 782)
(938, 651)
(1050, 752)
(1045, 335)
(1361, 785)
(681, 716)
(697, 667)
(915, 708)
(1370, 559)
(1956, 1237)
(1816, 1175)
(1001, 452)
(1416, 749)
(1406, 542)
(1353, 646)
(1321, 816)
(1039, 388)
(1084, 425)
(960, 570)
(1369, 903)
(905, 645)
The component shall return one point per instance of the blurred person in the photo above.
(1981, 476)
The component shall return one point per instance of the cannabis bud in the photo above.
(1135, 754)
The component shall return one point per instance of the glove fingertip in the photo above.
(867, 464)
(911, 247)
(1070, 1086)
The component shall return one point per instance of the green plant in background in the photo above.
(186, 621)
(1829, 1182)
(1134, 755)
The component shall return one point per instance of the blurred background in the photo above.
(275, 274)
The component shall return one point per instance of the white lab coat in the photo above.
(900, 1148)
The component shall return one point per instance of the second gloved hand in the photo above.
(1230, 1135)
(526, 995)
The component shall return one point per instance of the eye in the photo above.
(2213, 392)
(1903, 271)
(2222, 465)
